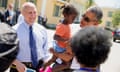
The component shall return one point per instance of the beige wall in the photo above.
(20, 2)
(80, 6)
(11, 1)
(50, 10)
(106, 16)
(38, 5)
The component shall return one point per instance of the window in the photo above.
(3, 3)
(110, 14)
(108, 23)
(33, 1)
(57, 12)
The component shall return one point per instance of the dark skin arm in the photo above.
(58, 38)
(67, 55)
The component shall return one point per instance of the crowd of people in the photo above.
(24, 45)
(10, 16)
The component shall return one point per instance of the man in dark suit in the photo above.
(10, 15)
(2, 17)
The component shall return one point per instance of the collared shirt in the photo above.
(75, 64)
(40, 36)
(20, 18)
(11, 13)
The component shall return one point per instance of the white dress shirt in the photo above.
(74, 29)
(8, 70)
(75, 64)
(20, 19)
(40, 36)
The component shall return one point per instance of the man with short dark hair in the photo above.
(91, 46)
(91, 17)
(8, 46)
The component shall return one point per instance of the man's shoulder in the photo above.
(40, 26)
(16, 26)
(6, 11)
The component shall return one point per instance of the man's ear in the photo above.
(23, 12)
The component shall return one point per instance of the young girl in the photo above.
(63, 35)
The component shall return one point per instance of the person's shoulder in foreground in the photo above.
(8, 46)
(91, 47)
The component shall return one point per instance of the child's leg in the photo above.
(53, 59)
(61, 67)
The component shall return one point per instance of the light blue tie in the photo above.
(33, 48)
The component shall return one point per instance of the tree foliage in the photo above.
(116, 18)
(89, 3)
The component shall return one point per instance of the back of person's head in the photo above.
(91, 45)
(8, 46)
(97, 11)
(69, 9)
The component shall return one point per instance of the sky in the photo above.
(108, 3)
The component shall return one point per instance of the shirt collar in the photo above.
(27, 25)
(8, 70)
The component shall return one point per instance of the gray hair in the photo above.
(27, 5)
(97, 11)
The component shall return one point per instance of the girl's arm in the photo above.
(58, 38)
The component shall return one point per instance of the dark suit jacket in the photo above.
(7, 14)
(2, 17)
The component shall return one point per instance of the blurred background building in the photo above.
(51, 9)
